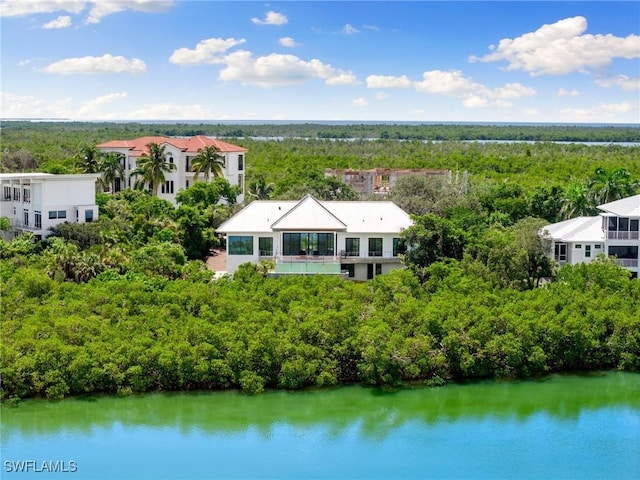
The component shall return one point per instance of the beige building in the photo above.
(380, 181)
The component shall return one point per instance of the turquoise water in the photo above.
(559, 427)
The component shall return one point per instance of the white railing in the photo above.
(611, 235)
(627, 262)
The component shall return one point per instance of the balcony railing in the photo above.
(613, 235)
(627, 262)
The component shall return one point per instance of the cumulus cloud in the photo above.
(96, 66)
(92, 109)
(271, 18)
(603, 113)
(454, 84)
(277, 69)
(206, 51)
(21, 8)
(381, 96)
(359, 102)
(98, 9)
(17, 106)
(349, 29)
(388, 81)
(568, 93)
(562, 48)
(60, 22)
(622, 81)
(288, 42)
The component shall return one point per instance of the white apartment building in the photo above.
(180, 151)
(614, 232)
(357, 239)
(35, 202)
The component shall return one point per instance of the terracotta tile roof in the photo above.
(138, 146)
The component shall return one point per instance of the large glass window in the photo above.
(88, 216)
(350, 268)
(560, 252)
(375, 247)
(398, 247)
(240, 163)
(307, 243)
(628, 252)
(240, 245)
(352, 247)
(26, 218)
(265, 245)
(37, 218)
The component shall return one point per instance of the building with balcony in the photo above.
(614, 232)
(380, 181)
(180, 151)
(357, 239)
(35, 202)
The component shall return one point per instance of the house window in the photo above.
(352, 247)
(587, 251)
(350, 268)
(240, 163)
(26, 218)
(53, 214)
(116, 185)
(375, 247)
(378, 269)
(613, 224)
(369, 271)
(62, 214)
(16, 194)
(578, 246)
(308, 243)
(398, 247)
(623, 224)
(598, 246)
(560, 252)
(265, 245)
(88, 216)
(171, 160)
(37, 219)
(7, 193)
(625, 252)
(240, 245)
(187, 164)
(26, 195)
(633, 225)
(167, 187)
(186, 183)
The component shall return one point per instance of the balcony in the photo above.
(627, 262)
(614, 235)
(307, 265)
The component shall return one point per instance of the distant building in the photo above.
(180, 152)
(35, 202)
(380, 181)
(614, 232)
(357, 239)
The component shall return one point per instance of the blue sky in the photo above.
(429, 61)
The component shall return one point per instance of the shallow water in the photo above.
(558, 427)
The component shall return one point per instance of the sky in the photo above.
(415, 61)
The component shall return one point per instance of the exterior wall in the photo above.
(71, 194)
(182, 177)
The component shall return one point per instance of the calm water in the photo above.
(573, 427)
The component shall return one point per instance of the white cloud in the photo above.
(277, 69)
(206, 51)
(60, 22)
(102, 8)
(454, 84)
(388, 81)
(96, 65)
(271, 18)
(568, 93)
(603, 113)
(371, 27)
(561, 48)
(16, 106)
(359, 102)
(98, 9)
(92, 108)
(381, 96)
(622, 81)
(21, 8)
(288, 42)
(349, 29)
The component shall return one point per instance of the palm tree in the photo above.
(208, 161)
(111, 168)
(576, 201)
(260, 189)
(88, 161)
(607, 187)
(152, 167)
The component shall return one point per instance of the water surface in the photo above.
(558, 427)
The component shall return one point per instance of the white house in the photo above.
(614, 232)
(35, 202)
(180, 151)
(357, 238)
